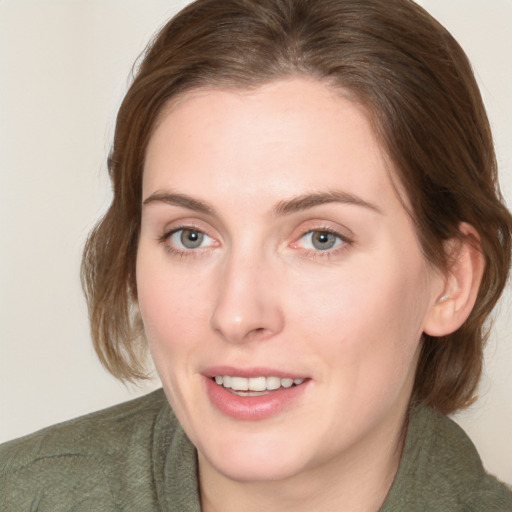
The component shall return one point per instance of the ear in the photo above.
(461, 282)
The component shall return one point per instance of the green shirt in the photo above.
(136, 457)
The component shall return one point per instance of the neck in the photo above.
(357, 482)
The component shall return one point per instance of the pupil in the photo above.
(191, 239)
(323, 240)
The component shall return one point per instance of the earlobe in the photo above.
(460, 286)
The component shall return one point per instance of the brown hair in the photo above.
(417, 85)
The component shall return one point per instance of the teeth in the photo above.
(273, 383)
(255, 383)
(287, 383)
(239, 383)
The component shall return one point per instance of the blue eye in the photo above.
(188, 239)
(321, 240)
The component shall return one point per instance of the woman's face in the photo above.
(275, 257)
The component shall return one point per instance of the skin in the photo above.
(258, 292)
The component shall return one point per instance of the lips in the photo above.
(254, 394)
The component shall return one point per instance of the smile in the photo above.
(254, 397)
(255, 384)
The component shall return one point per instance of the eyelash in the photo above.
(346, 242)
(328, 253)
(165, 238)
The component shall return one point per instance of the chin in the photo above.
(257, 471)
(255, 461)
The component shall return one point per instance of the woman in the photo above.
(307, 232)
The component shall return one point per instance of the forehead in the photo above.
(282, 138)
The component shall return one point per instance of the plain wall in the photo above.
(64, 66)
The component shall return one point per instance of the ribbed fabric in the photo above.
(136, 457)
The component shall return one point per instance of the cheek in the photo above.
(368, 319)
(173, 313)
(172, 306)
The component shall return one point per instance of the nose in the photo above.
(247, 304)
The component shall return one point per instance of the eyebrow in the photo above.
(183, 200)
(283, 208)
(307, 201)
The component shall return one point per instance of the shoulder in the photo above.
(83, 461)
(463, 469)
(98, 433)
(441, 470)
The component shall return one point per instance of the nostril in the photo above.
(243, 313)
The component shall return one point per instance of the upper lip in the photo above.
(233, 371)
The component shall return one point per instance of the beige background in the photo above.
(64, 66)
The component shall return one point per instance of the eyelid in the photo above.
(345, 233)
(192, 223)
(341, 237)
(311, 227)
(182, 225)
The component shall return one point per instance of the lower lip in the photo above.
(252, 408)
